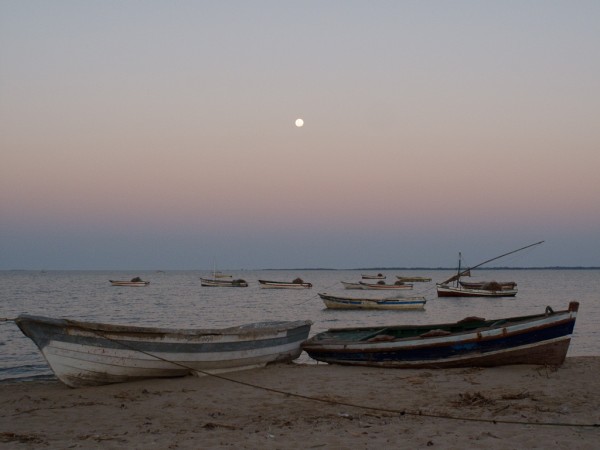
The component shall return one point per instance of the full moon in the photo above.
(299, 123)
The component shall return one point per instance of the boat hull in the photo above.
(385, 287)
(449, 291)
(348, 285)
(207, 282)
(413, 279)
(129, 283)
(89, 354)
(542, 339)
(283, 285)
(334, 302)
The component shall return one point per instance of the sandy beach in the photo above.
(320, 406)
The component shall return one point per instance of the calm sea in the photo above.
(176, 299)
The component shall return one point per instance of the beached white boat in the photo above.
(135, 282)
(382, 286)
(296, 284)
(88, 354)
(342, 302)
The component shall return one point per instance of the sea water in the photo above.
(176, 299)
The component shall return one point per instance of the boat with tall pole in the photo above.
(452, 287)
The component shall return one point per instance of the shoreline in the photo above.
(316, 406)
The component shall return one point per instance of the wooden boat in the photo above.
(217, 282)
(453, 291)
(88, 354)
(348, 285)
(379, 276)
(221, 275)
(491, 289)
(298, 283)
(473, 342)
(337, 302)
(413, 279)
(382, 286)
(490, 285)
(136, 282)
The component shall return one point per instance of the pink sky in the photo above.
(428, 126)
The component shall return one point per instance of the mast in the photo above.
(468, 269)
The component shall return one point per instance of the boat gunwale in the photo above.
(255, 327)
(520, 324)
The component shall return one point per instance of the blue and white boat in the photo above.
(473, 342)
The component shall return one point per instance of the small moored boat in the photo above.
(455, 287)
(298, 283)
(340, 302)
(489, 285)
(218, 282)
(413, 279)
(135, 282)
(382, 286)
(379, 276)
(349, 285)
(473, 342)
(459, 291)
(88, 354)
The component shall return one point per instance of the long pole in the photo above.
(501, 256)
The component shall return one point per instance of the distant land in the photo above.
(364, 269)
(448, 268)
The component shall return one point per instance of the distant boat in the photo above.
(488, 289)
(90, 354)
(349, 285)
(413, 279)
(135, 282)
(298, 283)
(382, 286)
(221, 275)
(488, 284)
(341, 302)
(379, 276)
(473, 342)
(215, 282)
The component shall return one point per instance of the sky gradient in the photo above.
(160, 135)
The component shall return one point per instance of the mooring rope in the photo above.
(400, 412)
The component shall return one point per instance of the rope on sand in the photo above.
(400, 412)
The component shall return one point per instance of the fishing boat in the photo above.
(349, 285)
(221, 275)
(458, 288)
(382, 286)
(413, 279)
(340, 302)
(298, 283)
(488, 291)
(89, 354)
(135, 282)
(218, 282)
(488, 284)
(472, 342)
(379, 276)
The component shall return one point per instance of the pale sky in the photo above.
(161, 135)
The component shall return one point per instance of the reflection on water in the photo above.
(176, 299)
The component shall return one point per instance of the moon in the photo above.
(299, 123)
